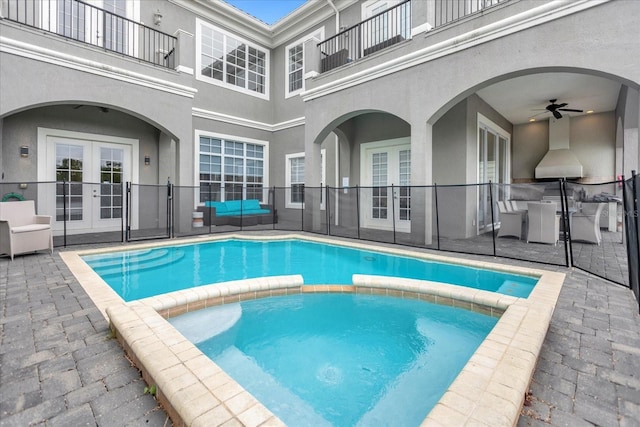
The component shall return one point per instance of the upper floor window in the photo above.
(230, 61)
(295, 64)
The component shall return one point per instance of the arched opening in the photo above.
(372, 166)
(95, 149)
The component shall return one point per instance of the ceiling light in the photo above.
(589, 111)
(532, 119)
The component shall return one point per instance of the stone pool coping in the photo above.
(490, 390)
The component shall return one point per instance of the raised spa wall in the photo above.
(194, 391)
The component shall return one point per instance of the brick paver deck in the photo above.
(60, 367)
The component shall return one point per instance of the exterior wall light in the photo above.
(147, 160)
(157, 17)
(24, 151)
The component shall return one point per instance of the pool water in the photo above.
(340, 359)
(145, 273)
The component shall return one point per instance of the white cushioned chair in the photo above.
(510, 221)
(21, 230)
(544, 223)
(585, 226)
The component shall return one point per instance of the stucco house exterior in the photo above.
(339, 93)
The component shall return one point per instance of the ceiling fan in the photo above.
(555, 109)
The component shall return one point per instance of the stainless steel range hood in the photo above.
(559, 162)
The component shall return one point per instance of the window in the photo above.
(231, 169)
(231, 62)
(295, 180)
(294, 65)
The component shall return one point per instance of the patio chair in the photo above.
(544, 223)
(585, 226)
(21, 230)
(510, 221)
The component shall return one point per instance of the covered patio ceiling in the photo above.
(521, 98)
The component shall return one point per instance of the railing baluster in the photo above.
(68, 18)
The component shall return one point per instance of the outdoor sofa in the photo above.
(237, 212)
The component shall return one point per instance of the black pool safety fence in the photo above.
(592, 227)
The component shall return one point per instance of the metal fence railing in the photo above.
(593, 227)
(378, 32)
(83, 22)
(448, 11)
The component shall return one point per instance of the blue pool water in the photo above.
(340, 359)
(140, 274)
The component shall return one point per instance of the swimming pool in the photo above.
(193, 389)
(339, 359)
(144, 273)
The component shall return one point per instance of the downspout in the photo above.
(337, 15)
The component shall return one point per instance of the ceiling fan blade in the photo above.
(570, 109)
(564, 104)
(556, 114)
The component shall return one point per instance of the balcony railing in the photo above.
(447, 11)
(88, 24)
(376, 33)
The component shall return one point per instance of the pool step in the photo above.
(138, 261)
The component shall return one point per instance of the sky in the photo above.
(268, 11)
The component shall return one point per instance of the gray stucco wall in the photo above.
(21, 129)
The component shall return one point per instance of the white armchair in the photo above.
(544, 223)
(510, 221)
(585, 226)
(21, 230)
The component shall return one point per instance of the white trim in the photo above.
(423, 28)
(44, 192)
(240, 121)
(25, 50)
(288, 124)
(533, 17)
(196, 167)
(318, 34)
(185, 70)
(365, 10)
(366, 181)
(222, 83)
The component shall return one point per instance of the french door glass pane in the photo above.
(111, 182)
(404, 192)
(69, 169)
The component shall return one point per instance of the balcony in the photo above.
(391, 27)
(378, 32)
(82, 22)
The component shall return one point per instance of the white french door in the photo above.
(386, 179)
(494, 165)
(90, 175)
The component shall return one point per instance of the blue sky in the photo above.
(268, 11)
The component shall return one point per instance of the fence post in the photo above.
(273, 208)
(122, 212)
(208, 211)
(493, 221)
(327, 208)
(169, 210)
(435, 192)
(393, 211)
(304, 194)
(358, 209)
(566, 227)
(64, 211)
(127, 226)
